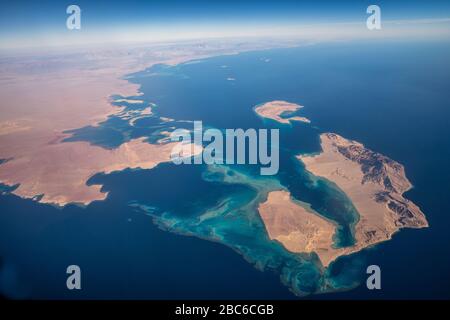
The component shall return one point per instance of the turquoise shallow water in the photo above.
(405, 118)
(232, 218)
(235, 222)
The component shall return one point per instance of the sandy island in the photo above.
(373, 182)
(275, 109)
(297, 226)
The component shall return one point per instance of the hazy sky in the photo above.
(39, 23)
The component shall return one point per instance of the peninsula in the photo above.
(69, 89)
(73, 163)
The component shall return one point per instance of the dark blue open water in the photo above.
(393, 97)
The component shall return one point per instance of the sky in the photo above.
(41, 23)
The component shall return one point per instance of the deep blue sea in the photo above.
(143, 241)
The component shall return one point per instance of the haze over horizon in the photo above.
(27, 24)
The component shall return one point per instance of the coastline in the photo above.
(375, 185)
(276, 109)
(68, 98)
